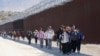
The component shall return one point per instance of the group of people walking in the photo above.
(42, 36)
(47, 36)
(68, 38)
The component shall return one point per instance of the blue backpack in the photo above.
(80, 36)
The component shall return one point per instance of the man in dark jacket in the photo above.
(58, 33)
(73, 38)
(29, 36)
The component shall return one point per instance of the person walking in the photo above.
(58, 33)
(74, 38)
(23, 35)
(35, 35)
(79, 40)
(40, 36)
(45, 38)
(50, 35)
(29, 36)
(65, 41)
(18, 34)
(14, 35)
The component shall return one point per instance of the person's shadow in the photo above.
(54, 51)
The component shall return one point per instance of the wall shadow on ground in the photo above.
(54, 51)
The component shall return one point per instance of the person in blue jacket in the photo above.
(79, 40)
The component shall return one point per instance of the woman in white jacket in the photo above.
(49, 36)
(65, 41)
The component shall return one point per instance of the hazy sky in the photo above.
(17, 5)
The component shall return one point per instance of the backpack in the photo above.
(81, 36)
(74, 35)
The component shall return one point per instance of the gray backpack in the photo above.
(74, 35)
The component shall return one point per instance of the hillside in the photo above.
(7, 14)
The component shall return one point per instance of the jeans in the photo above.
(41, 42)
(49, 43)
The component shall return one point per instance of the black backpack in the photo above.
(74, 35)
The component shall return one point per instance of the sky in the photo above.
(17, 5)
